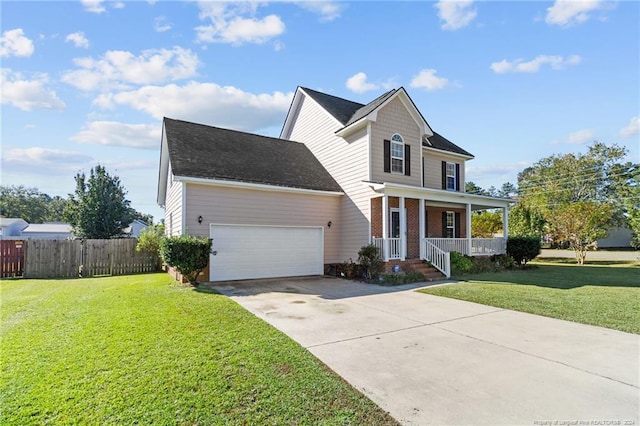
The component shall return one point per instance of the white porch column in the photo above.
(469, 229)
(421, 227)
(403, 230)
(505, 222)
(385, 228)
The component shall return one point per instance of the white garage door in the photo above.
(246, 252)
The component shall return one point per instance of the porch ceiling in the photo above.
(477, 202)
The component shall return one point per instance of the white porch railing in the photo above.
(488, 246)
(389, 248)
(479, 246)
(441, 260)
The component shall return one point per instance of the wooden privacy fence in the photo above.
(11, 258)
(86, 258)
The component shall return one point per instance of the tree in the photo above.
(581, 224)
(22, 202)
(31, 205)
(570, 189)
(526, 222)
(98, 208)
(471, 188)
(486, 224)
(149, 241)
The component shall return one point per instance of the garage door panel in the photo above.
(246, 252)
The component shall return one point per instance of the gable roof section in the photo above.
(341, 109)
(438, 141)
(348, 113)
(206, 152)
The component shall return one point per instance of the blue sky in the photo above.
(88, 82)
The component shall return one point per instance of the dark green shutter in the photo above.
(387, 156)
(407, 160)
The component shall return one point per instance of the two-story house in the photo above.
(341, 175)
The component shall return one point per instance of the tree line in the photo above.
(98, 208)
(572, 198)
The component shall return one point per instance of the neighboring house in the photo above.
(48, 231)
(617, 237)
(11, 227)
(341, 175)
(135, 228)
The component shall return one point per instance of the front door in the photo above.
(394, 227)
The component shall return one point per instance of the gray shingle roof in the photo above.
(440, 142)
(348, 112)
(200, 151)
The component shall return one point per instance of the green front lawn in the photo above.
(143, 350)
(603, 293)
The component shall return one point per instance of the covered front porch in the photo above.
(428, 224)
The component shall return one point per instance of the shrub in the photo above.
(402, 278)
(369, 259)
(523, 249)
(460, 264)
(189, 255)
(149, 241)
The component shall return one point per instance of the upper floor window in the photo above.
(397, 154)
(450, 176)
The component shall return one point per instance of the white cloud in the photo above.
(534, 65)
(28, 94)
(78, 39)
(328, 10)
(162, 24)
(632, 129)
(566, 13)
(118, 5)
(120, 134)
(427, 79)
(358, 83)
(44, 161)
(120, 69)
(235, 23)
(581, 136)
(14, 43)
(206, 103)
(456, 14)
(93, 6)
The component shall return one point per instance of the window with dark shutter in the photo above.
(457, 177)
(444, 175)
(457, 225)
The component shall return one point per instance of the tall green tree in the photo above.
(98, 208)
(30, 204)
(486, 224)
(575, 188)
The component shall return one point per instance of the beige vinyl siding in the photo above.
(394, 118)
(173, 206)
(258, 207)
(347, 161)
(433, 169)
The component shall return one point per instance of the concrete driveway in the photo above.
(433, 360)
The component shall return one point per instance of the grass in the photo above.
(144, 350)
(602, 293)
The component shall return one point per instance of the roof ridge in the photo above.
(234, 130)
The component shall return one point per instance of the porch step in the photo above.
(414, 265)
